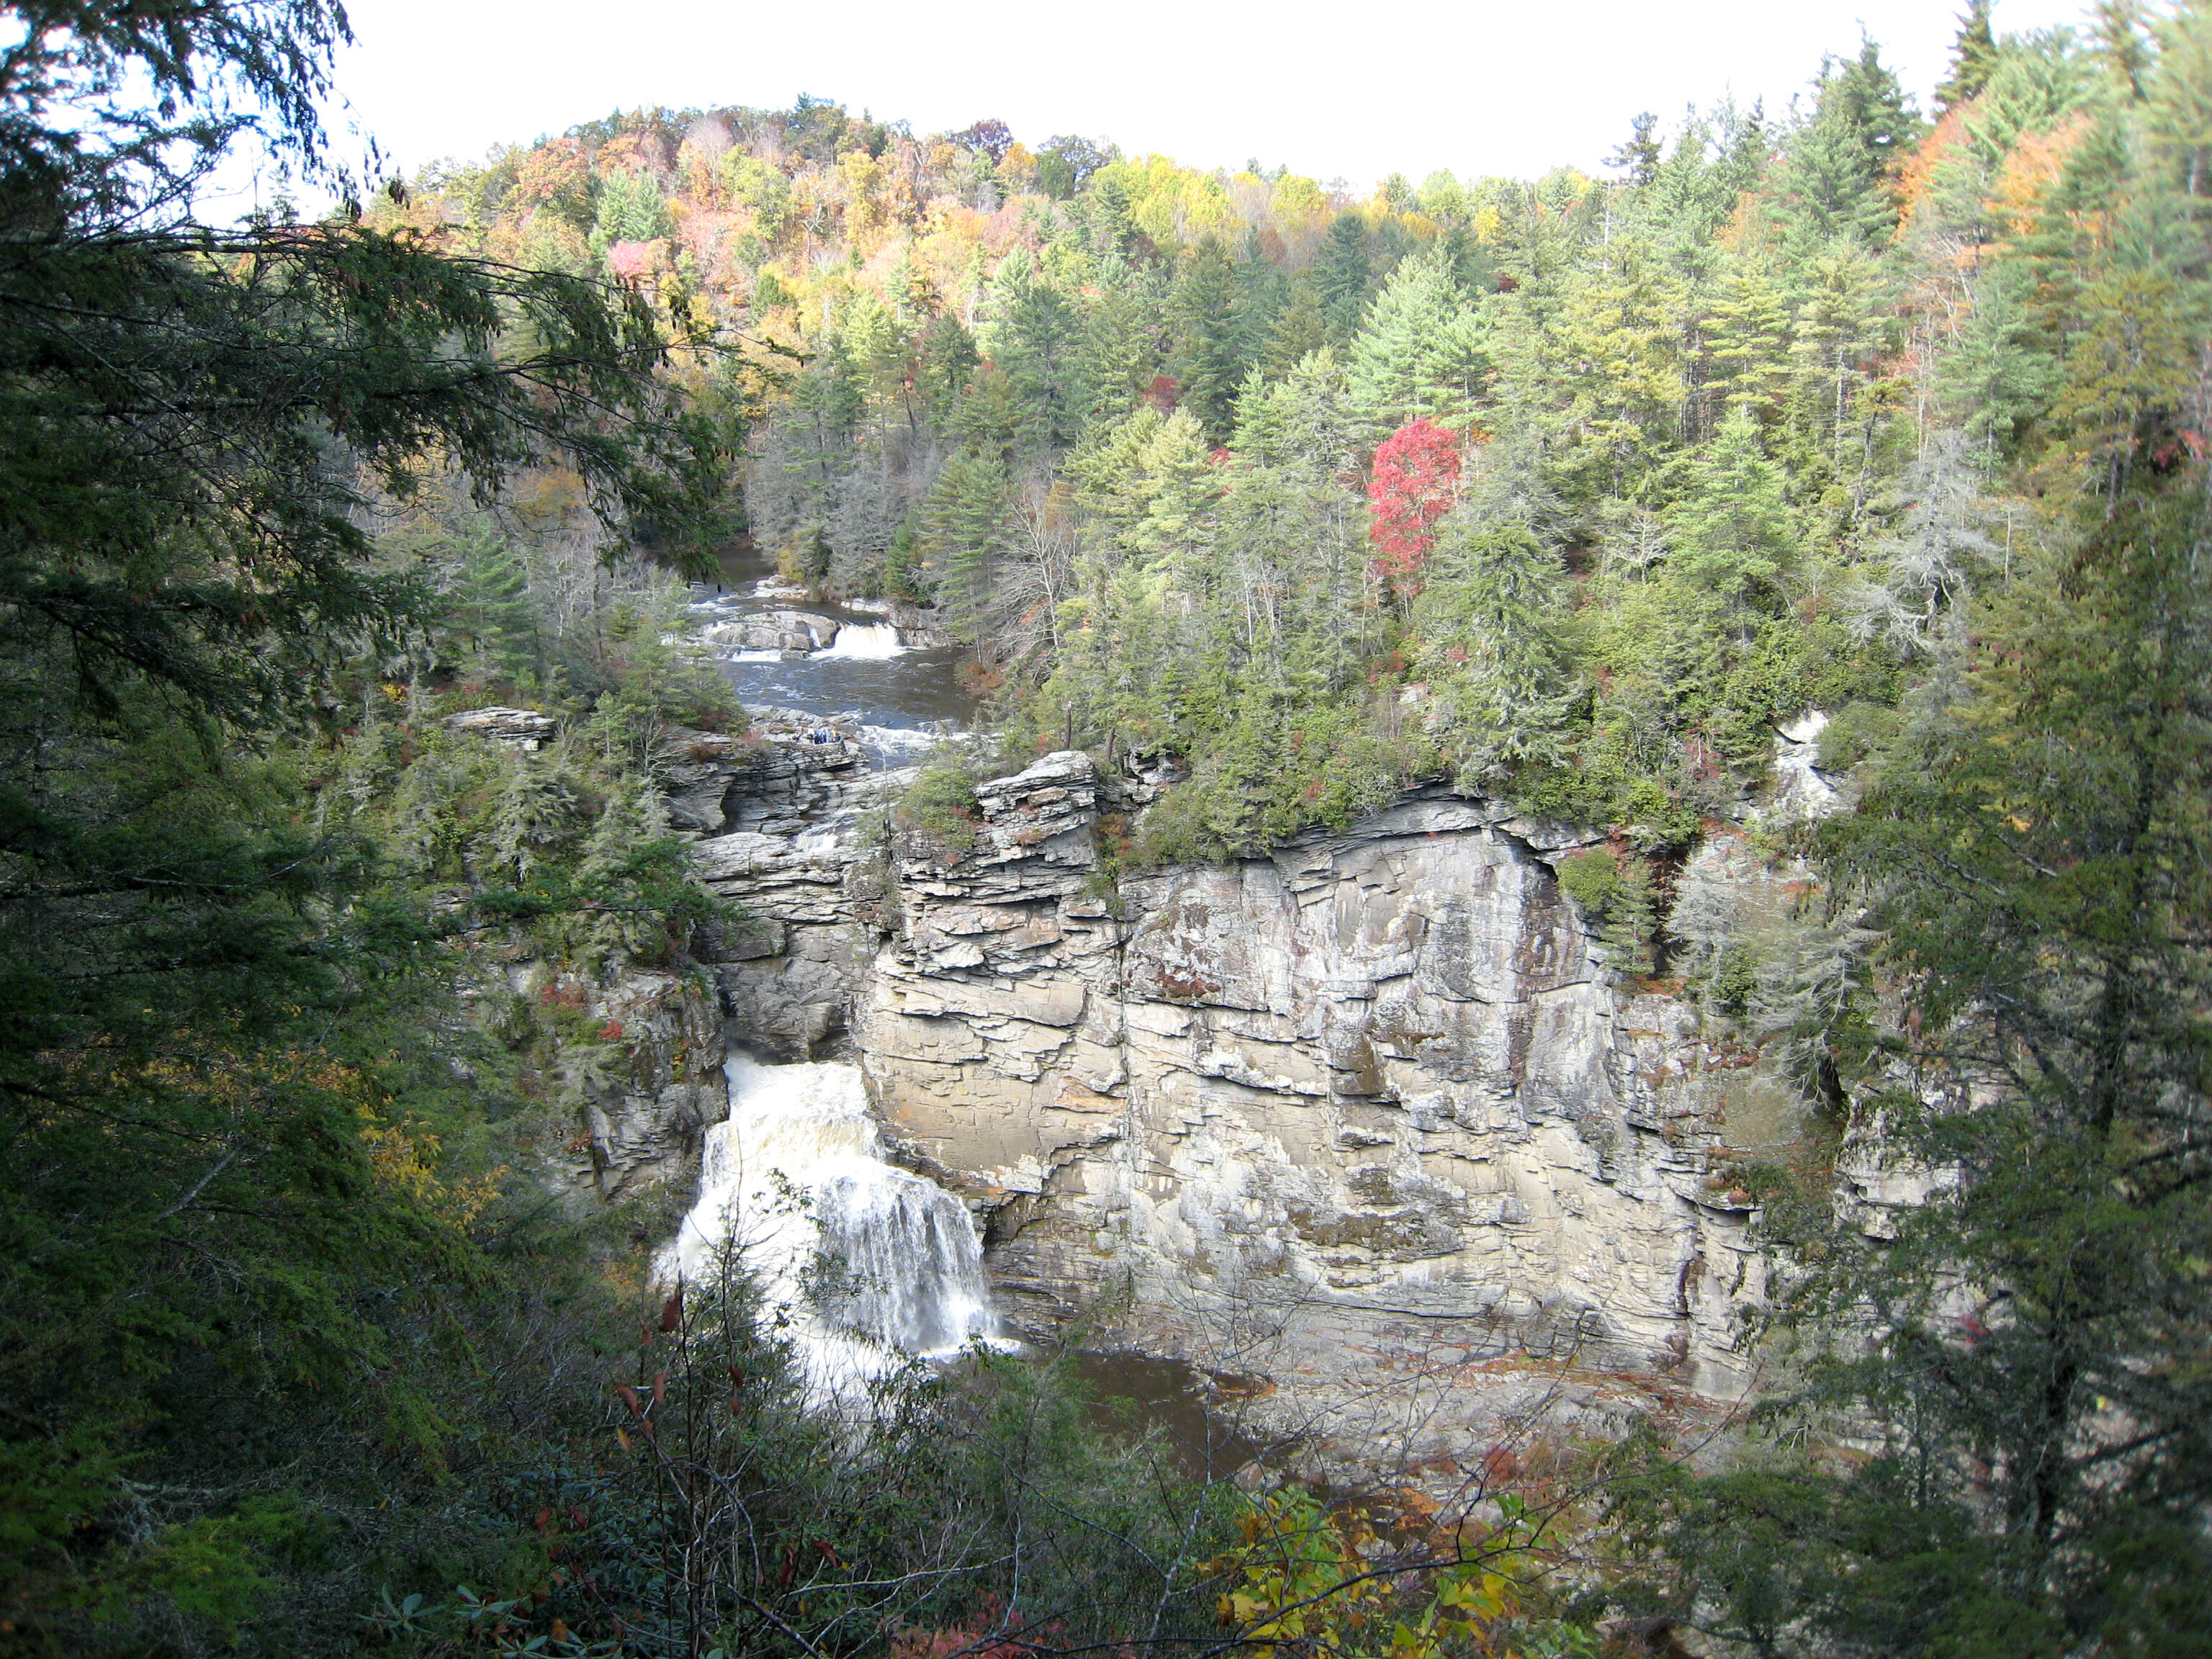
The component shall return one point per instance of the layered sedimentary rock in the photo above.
(786, 823)
(1375, 1088)
(1374, 1095)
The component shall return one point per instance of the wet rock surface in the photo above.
(774, 631)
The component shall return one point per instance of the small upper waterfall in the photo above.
(794, 1175)
(870, 640)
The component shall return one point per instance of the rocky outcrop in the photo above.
(647, 1106)
(774, 630)
(790, 839)
(637, 1057)
(920, 626)
(1373, 1098)
(1378, 1082)
(519, 728)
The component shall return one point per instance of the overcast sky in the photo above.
(1355, 91)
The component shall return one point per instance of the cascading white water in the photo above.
(872, 642)
(794, 1175)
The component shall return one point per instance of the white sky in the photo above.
(1343, 90)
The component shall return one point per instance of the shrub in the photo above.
(939, 805)
(1614, 889)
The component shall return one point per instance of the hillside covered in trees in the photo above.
(1584, 485)
(1571, 491)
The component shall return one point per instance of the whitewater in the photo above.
(870, 1264)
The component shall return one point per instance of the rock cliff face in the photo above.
(646, 1123)
(1375, 1094)
(645, 1098)
(789, 848)
(646, 1088)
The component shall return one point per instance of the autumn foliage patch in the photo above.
(1415, 481)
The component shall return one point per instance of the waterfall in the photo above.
(793, 1175)
(873, 641)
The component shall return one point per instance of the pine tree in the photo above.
(2122, 31)
(1203, 313)
(1714, 633)
(963, 538)
(2032, 1337)
(1835, 182)
(1262, 290)
(1842, 164)
(1843, 321)
(1877, 107)
(216, 1013)
(949, 356)
(811, 441)
(1469, 263)
(630, 209)
(1408, 362)
(1038, 345)
(1121, 343)
(1750, 339)
(1294, 529)
(1616, 338)
(1343, 277)
(1301, 328)
(1732, 532)
(1973, 59)
(1490, 624)
(1636, 159)
(2001, 376)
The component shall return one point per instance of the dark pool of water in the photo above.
(1200, 1418)
(916, 689)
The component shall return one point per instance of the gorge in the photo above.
(1372, 1103)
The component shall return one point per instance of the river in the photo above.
(866, 673)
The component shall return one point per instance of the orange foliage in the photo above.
(1916, 173)
(2037, 162)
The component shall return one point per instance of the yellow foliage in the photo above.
(864, 211)
(1173, 204)
(1310, 1580)
(549, 497)
(405, 1158)
(1298, 204)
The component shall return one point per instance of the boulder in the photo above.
(518, 728)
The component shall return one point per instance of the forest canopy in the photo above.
(1577, 487)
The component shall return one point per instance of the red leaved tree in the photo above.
(1416, 479)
